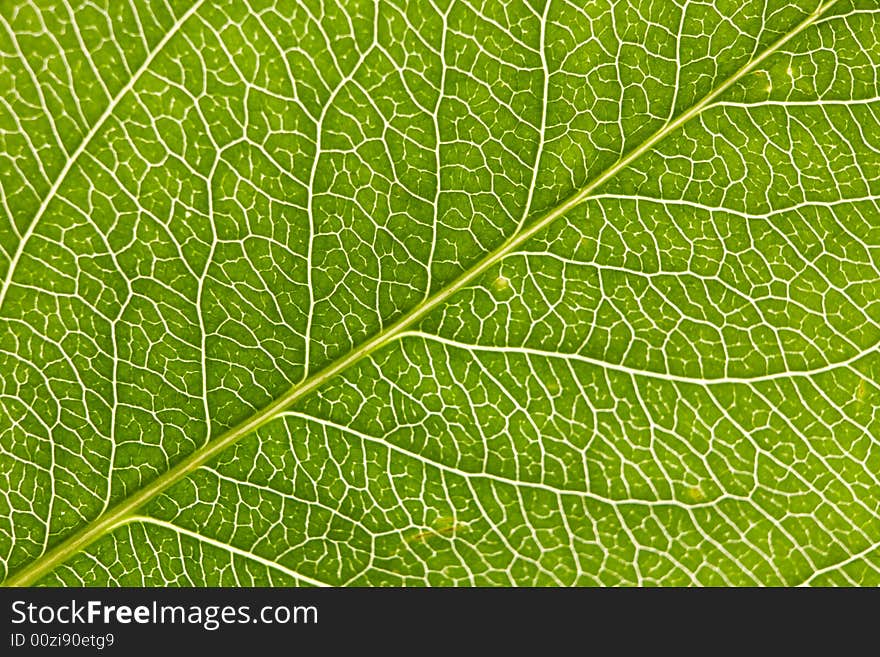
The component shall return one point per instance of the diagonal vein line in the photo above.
(251, 556)
(74, 157)
(123, 511)
(648, 374)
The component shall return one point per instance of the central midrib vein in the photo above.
(117, 515)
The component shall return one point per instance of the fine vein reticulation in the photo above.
(561, 294)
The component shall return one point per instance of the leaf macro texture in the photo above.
(439, 292)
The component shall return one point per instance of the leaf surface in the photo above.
(404, 293)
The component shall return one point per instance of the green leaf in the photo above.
(440, 292)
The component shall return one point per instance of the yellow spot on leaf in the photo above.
(862, 390)
(501, 284)
(443, 526)
(695, 494)
(769, 86)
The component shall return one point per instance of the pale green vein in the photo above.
(559, 491)
(648, 374)
(250, 556)
(124, 510)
